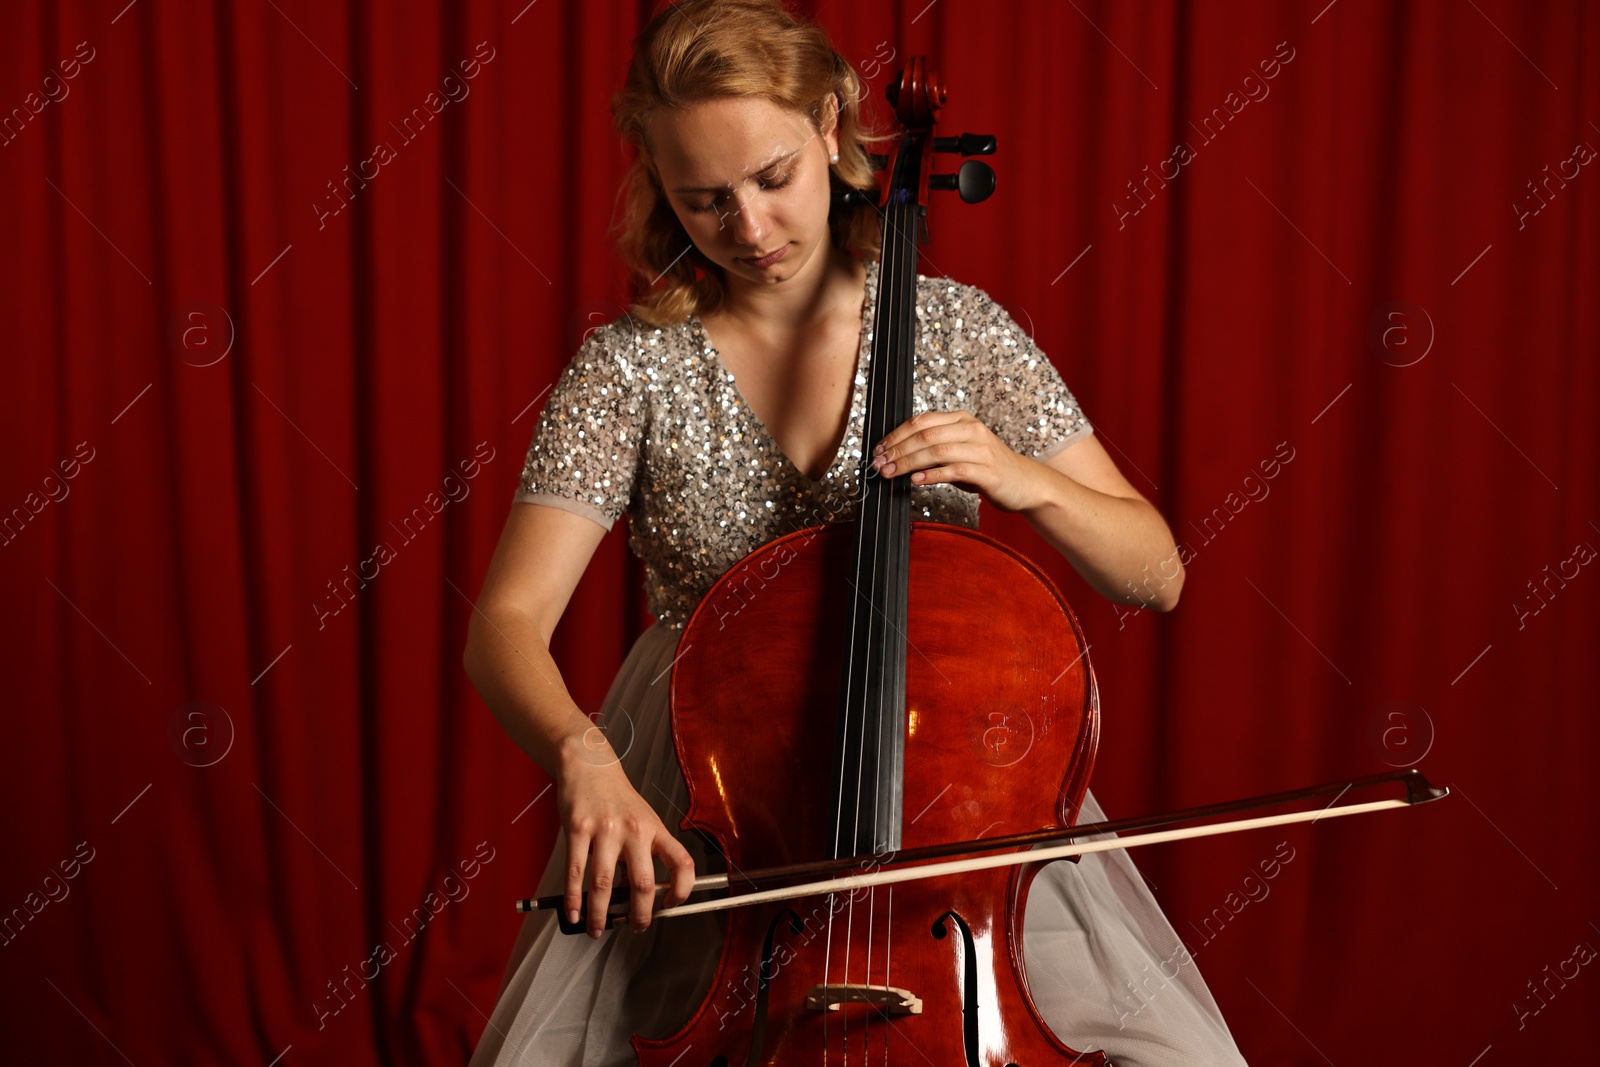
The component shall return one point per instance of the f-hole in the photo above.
(764, 975)
(969, 984)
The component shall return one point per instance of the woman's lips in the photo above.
(767, 260)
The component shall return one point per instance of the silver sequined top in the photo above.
(649, 422)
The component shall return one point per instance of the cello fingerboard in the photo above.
(869, 750)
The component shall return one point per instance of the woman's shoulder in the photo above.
(627, 346)
(939, 288)
(961, 309)
(626, 335)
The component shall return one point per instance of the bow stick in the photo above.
(1040, 847)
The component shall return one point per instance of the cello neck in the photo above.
(869, 749)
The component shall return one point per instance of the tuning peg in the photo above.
(974, 181)
(851, 197)
(968, 144)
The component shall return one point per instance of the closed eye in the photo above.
(765, 183)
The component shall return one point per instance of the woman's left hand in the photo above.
(955, 447)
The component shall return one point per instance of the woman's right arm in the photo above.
(542, 554)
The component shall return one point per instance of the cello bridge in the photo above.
(890, 999)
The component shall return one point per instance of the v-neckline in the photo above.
(857, 378)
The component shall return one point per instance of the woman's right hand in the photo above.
(605, 820)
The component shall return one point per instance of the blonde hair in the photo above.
(697, 50)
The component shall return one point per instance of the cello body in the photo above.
(1001, 721)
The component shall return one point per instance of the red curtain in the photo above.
(285, 283)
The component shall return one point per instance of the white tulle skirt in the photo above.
(1106, 969)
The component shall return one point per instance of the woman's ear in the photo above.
(830, 122)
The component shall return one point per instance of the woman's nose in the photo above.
(745, 223)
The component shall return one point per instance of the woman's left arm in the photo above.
(1077, 500)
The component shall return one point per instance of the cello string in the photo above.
(892, 250)
(870, 511)
(854, 727)
(827, 956)
(888, 945)
(872, 906)
(879, 583)
(889, 525)
(893, 572)
(904, 318)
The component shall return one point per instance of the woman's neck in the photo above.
(829, 285)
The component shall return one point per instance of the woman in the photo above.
(724, 411)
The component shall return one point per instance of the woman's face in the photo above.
(748, 178)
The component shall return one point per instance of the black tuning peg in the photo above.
(968, 144)
(974, 181)
(851, 197)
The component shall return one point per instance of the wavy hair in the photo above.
(698, 50)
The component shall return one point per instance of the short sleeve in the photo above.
(1012, 386)
(585, 449)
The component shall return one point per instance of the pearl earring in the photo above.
(834, 158)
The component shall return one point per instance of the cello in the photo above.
(965, 721)
(958, 678)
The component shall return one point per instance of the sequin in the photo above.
(647, 422)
